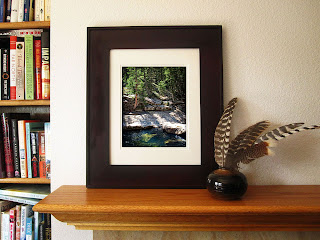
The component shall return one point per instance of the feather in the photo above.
(247, 137)
(279, 132)
(222, 133)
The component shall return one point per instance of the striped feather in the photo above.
(247, 137)
(222, 133)
(279, 133)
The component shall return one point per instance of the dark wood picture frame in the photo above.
(100, 174)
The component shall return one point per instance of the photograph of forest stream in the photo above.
(154, 107)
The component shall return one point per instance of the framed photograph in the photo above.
(154, 98)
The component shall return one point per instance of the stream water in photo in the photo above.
(153, 137)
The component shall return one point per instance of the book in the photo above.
(12, 224)
(15, 148)
(42, 230)
(2, 10)
(31, 11)
(47, 10)
(20, 10)
(30, 201)
(6, 205)
(13, 65)
(18, 221)
(5, 74)
(23, 146)
(42, 154)
(7, 139)
(26, 191)
(29, 76)
(2, 158)
(14, 10)
(26, 10)
(37, 62)
(31, 127)
(47, 220)
(34, 154)
(29, 227)
(39, 13)
(5, 221)
(8, 11)
(47, 140)
(37, 220)
(26, 211)
(45, 50)
(20, 70)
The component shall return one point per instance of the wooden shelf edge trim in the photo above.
(264, 208)
(25, 180)
(25, 25)
(9, 103)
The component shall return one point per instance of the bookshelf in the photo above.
(35, 107)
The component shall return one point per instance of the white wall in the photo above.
(271, 53)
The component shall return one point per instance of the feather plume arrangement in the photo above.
(249, 144)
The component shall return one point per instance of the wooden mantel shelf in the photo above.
(263, 208)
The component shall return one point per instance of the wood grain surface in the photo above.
(263, 208)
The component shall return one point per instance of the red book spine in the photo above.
(42, 156)
(12, 224)
(8, 156)
(38, 60)
(13, 84)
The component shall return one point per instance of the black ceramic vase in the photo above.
(227, 184)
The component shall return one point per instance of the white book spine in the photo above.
(5, 218)
(20, 70)
(14, 11)
(37, 10)
(47, 10)
(26, 211)
(21, 11)
(22, 150)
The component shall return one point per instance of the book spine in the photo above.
(8, 10)
(42, 230)
(28, 150)
(47, 11)
(15, 147)
(14, 10)
(45, 38)
(47, 217)
(18, 221)
(2, 157)
(5, 220)
(23, 194)
(20, 70)
(5, 77)
(20, 10)
(6, 205)
(42, 155)
(2, 10)
(37, 10)
(37, 220)
(29, 77)
(34, 154)
(22, 200)
(13, 65)
(26, 10)
(29, 226)
(7, 145)
(47, 146)
(12, 224)
(37, 53)
(26, 211)
(31, 11)
(22, 148)
(42, 10)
